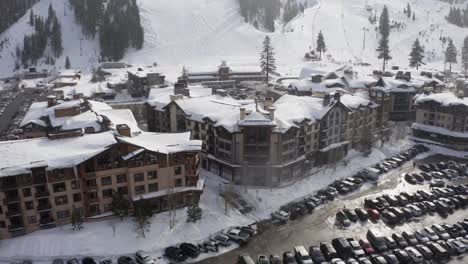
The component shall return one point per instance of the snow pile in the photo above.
(164, 142)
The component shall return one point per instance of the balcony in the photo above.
(15, 227)
(8, 186)
(13, 212)
(41, 194)
(47, 222)
(11, 199)
(44, 207)
(90, 175)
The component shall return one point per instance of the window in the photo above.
(29, 205)
(152, 175)
(27, 192)
(61, 200)
(139, 189)
(32, 219)
(63, 214)
(139, 177)
(107, 193)
(77, 197)
(75, 185)
(153, 187)
(59, 187)
(106, 181)
(178, 170)
(121, 178)
(2, 224)
(178, 183)
(122, 190)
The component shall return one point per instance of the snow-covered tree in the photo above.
(321, 47)
(451, 54)
(184, 73)
(384, 23)
(56, 38)
(31, 17)
(384, 52)
(408, 11)
(267, 59)
(194, 212)
(76, 219)
(417, 55)
(120, 205)
(464, 54)
(67, 63)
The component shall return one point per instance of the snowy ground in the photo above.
(201, 33)
(111, 238)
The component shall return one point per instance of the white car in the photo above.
(142, 257)
(237, 235)
(280, 215)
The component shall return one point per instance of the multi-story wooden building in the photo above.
(261, 142)
(42, 180)
(442, 119)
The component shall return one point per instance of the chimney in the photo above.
(51, 100)
(175, 97)
(268, 102)
(124, 130)
(242, 113)
(326, 99)
(337, 96)
(272, 113)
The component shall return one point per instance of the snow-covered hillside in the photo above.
(201, 33)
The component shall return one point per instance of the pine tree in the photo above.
(408, 11)
(416, 55)
(451, 54)
(465, 54)
(67, 63)
(384, 29)
(366, 142)
(120, 205)
(267, 59)
(56, 38)
(321, 47)
(414, 17)
(194, 212)
(143, 214)
(384, 23)
(31, 18)
(184, 74)
(76, 219)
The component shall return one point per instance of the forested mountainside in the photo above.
(12, 10)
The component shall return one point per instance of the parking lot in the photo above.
(312, 229)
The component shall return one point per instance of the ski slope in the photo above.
(201, 33)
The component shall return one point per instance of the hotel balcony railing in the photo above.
(41, 194)
(11, 199)
(44, 207)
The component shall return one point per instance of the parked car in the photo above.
(316, 255)
(391, 243)
(366, 246)
(58, 261)
(440, 231)
(425, 251)
(415, 255)
(238, 236)
(342, 218)
(126, 260)
(106, 261)
(281, 216)
(142, 257)
(209, 246)
(373, 214)
(173, 253)
(342, 247)
(302, 256)
(245, 259)
(362, 214)
(377, 240)
(88, 260)
(401, 255)
(421, 237)
(189, 249)
(222, 240)
(400, 240)
(75, 261)
(262, 259)
(328, 250)
(274, 259)
(357, 249)
(378, 259)
(352, 216)
(288, 258)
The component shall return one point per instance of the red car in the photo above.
(366, 246)
(374, 214)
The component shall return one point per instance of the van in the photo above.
(343, 248)
(377, 240)
(245, 259)
(440, 253)
(302, 256)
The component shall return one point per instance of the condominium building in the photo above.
(261, 142)
(441, 119)
(43, 179)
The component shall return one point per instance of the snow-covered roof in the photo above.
(163, 142)
(445, 99)
(16, 157)
(357, 100)
(439, 130)
(121, 116)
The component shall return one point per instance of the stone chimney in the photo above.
(51, 100)
(124, 130)
(272, 113)
(242, 113)
(326, 99)
(175, 97)
(337, 96)
(268, 102)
